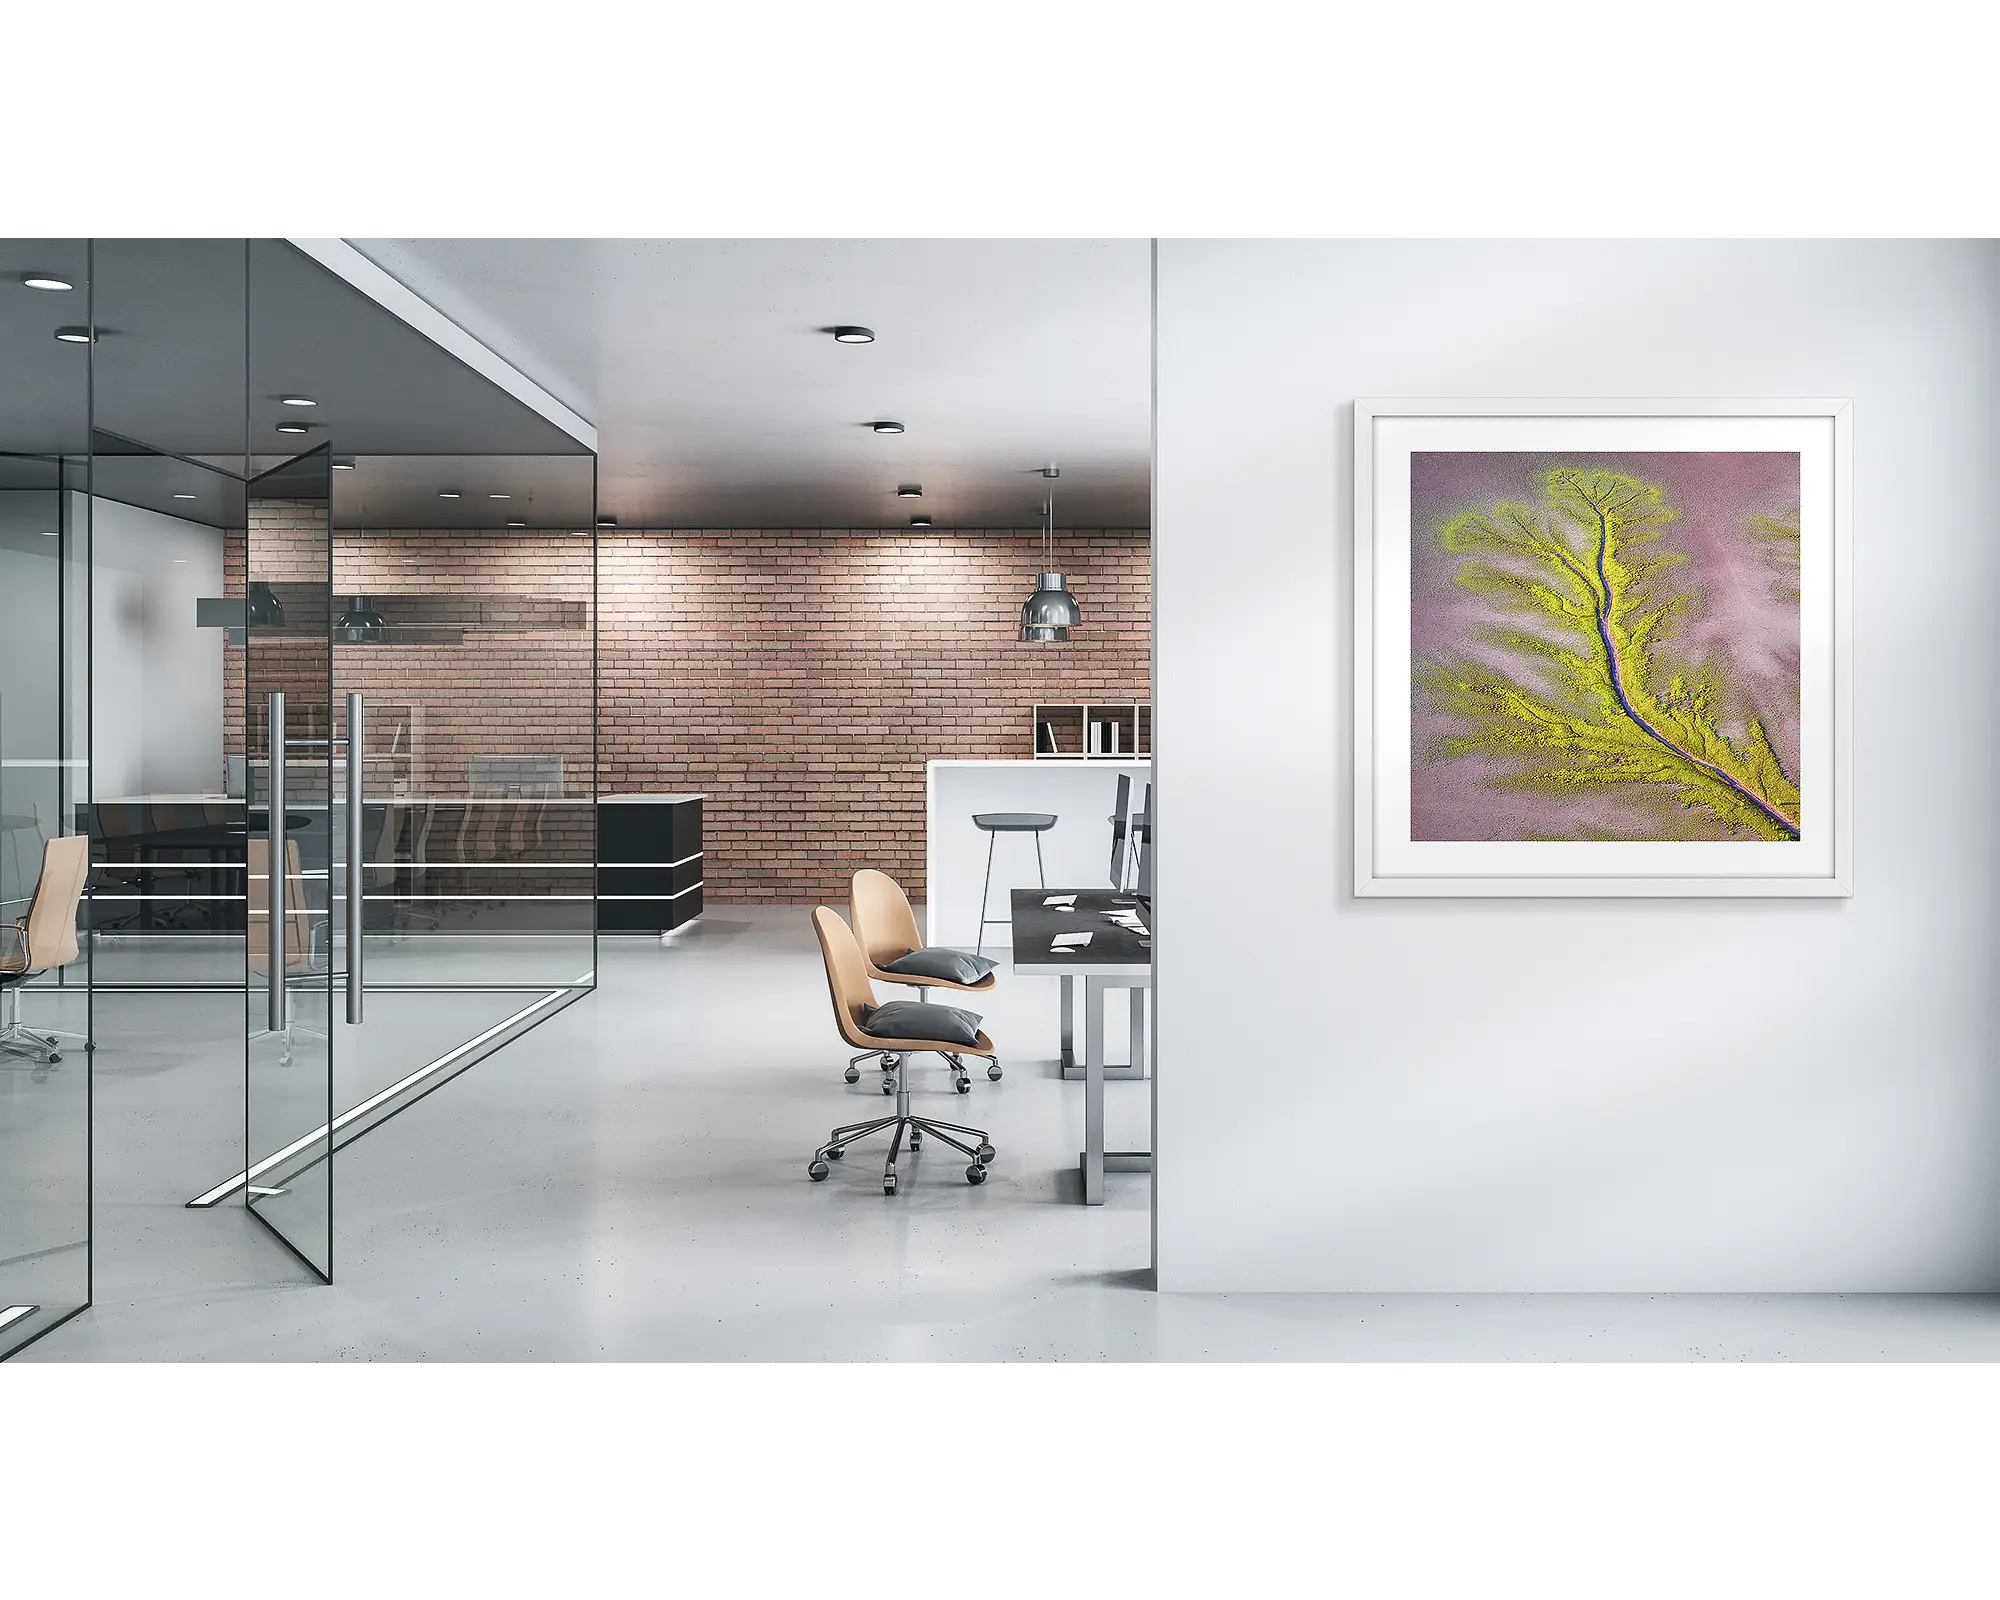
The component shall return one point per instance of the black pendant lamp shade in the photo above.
(360, 623)
(261, 606)
(1051, 611)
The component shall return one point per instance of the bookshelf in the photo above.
(1119, 730)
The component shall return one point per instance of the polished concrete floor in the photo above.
(628, 1182)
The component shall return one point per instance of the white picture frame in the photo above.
(1388, 862)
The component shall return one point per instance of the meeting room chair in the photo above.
(903, 1027)
(42, 941)
(896, 953)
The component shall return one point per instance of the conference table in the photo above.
(1048, 925)
(215, 847)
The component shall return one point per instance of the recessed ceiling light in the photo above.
(296, 400)
(180, 561)
(75, 336)
(51, 533)
(920, 522)
(499, 497)
(517, 524)
(849, 333)
(291, 427)
(183, 497)
(447, 494)
(607, 522)
(909, 491)
(41, 280)
(344, 464)
(886, 427)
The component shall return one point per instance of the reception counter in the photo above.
(1076, 851)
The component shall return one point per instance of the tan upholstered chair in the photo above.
(42, 941)
(853, 1010)
(887, 930)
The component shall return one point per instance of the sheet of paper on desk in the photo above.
(1068, 900)
(1069, 941)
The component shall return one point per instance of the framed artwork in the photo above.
(1602, 647)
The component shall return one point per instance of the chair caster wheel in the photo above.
(818, 1171)
(993, 1070)
(833, 1152)
(965, 1086)
(852, 1074)
(986, 1153)
(889, 1184)
(54, 1059)
(975, 1174)
(888, 1085)
(916, 1140)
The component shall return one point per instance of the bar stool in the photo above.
(993, 824)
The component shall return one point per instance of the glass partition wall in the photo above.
(334, 560)
(465, 635)
(45, 989)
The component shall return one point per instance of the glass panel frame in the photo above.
(293, 854)
(47, 1255)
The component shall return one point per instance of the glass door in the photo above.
(294, 850)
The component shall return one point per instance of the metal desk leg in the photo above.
(1093, 1091)
(1068, 1024)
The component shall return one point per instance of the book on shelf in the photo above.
(1045, 737)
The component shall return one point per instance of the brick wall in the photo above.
(800, 679)
(803, 679)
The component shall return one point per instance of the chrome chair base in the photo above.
(906, 1125)
(961, 1075)
(45, 1047)
(42, 1047)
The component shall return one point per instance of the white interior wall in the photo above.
(1566, 1095)
(30, 622)
(156, 679)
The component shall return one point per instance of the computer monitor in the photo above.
(1119, 833)
(1142, 825)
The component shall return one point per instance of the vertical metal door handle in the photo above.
(276, 897)
(357, 867)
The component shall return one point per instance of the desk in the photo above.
(1079, 794)
(1115, 958)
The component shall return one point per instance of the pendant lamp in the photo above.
(361, 623)
(1051, 611)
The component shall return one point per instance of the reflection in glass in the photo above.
(45, 1016)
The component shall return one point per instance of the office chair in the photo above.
(182, 867)
(903, 1028)
(116, 824)
(42, 941)
(887, 930)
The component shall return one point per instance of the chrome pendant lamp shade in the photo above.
(1051, 611)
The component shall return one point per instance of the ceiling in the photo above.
(721, 401)
(198, 341)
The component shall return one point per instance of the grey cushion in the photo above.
(954, 966)
(908, 1019)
